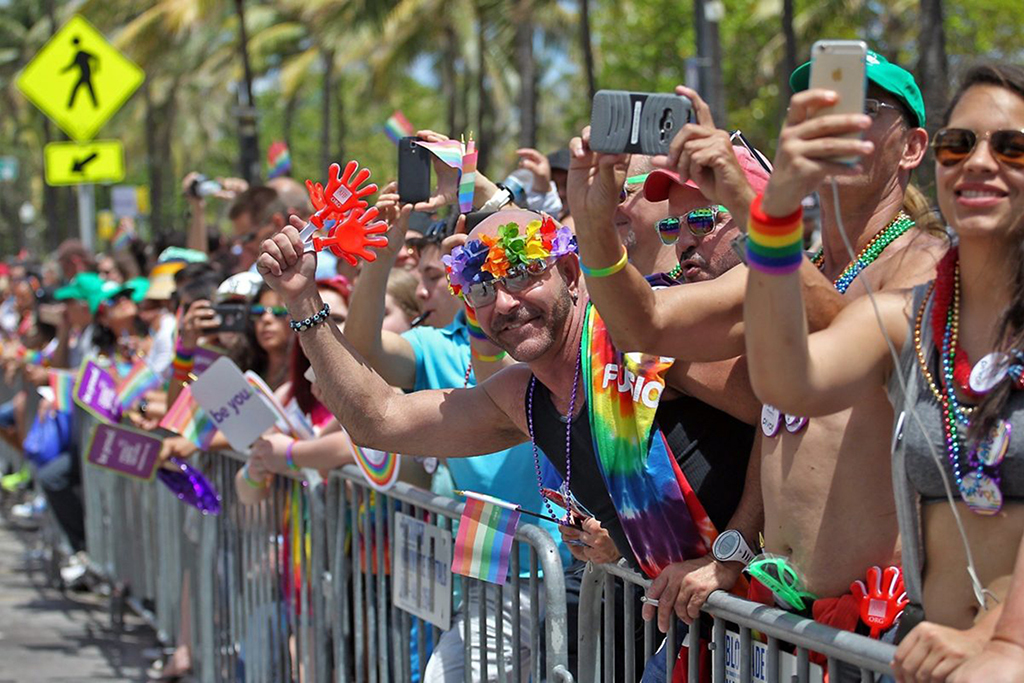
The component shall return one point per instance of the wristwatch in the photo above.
(730, 546)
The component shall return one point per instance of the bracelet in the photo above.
(487, 359)
(472, 326)
(249, 480)
(311, 321)
(767, 222)
(610, 270)
(289, 459)
(774, 246)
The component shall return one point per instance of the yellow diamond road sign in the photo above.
(69, 163)
(79, 79)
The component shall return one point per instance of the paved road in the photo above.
(46, 636)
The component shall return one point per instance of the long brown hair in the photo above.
(1011, 323)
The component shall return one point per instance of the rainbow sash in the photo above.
(659, 511)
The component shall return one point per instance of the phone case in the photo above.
(232, 317)
(413, 172)
(636, 122)
(841, 65)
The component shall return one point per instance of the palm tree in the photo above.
(933, 70)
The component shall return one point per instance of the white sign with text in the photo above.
(233, 404)
(422, 580)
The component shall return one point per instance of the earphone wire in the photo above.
(980, 592)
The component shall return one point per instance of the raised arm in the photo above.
(450, 423)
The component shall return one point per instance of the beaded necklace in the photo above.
(566, 520)
(871, 251)
(979, 485)
(675, 272)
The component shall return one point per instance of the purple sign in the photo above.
(124, 451)
(96, 392)
(203, 359)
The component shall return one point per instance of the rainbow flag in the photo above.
(398, 127)
(448, 151)
(187, 419)
(468, 178)
(63, 384)
(122, 237)
(279, 160)
(137, 381)
(486, 531)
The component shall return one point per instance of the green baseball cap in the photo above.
(87, 287)
(883, 73)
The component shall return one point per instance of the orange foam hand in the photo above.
(352, 236)
(344, 193)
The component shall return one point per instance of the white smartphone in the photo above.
(841, 66)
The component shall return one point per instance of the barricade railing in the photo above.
(736, 653)
(298, 587)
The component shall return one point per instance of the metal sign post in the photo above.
(87, 215)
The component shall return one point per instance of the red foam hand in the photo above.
(342, 194)
(882, 600)
(351, 237)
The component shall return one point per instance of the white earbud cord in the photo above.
(980, 592)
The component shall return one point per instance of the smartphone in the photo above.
(413, 171)
(232, 317)
(572, 505)
(636, 122)
(841, 65)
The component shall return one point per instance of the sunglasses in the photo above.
(873, 107)
(276, 311)
(953, 145)
(700, 223)
(781, 579)
(519, 279)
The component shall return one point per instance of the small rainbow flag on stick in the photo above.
(136, 383)
(279, 160)
(468, 178)
(398, 127)
(189, 420)
(63, 384)
(484, 543)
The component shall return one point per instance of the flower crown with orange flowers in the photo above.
(493, 256)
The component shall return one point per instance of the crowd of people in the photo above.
(745, 374)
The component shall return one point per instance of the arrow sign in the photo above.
(69, 163)
(79, 166)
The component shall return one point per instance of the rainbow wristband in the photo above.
(610, 270)
(774, 246)
(472, 326)
(289, 458)
(487, 359)
(249, 480)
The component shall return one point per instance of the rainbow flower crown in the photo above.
(492, 257)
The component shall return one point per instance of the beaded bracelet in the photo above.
(289, 458)
(487, 359)
(472, 326)
(311, 321)
(774, 245)
(610, 270)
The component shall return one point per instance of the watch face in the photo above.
(726, 544)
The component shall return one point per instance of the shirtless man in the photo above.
(827, 491)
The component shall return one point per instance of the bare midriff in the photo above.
(948, 597)
(828, 500)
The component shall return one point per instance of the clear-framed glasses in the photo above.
(519, 279)
(873, 107)
(700, 223)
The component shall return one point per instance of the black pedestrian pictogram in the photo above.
(83, 61)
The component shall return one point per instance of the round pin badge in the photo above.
(794, 423)
(771, 420)
(992, 451)
(430, 465)
(981, 493)
(988, 372)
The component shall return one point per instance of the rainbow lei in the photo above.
(492, 257)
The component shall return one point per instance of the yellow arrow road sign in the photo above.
(79, 79)
(69, 163)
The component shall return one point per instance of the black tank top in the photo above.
(711, 447)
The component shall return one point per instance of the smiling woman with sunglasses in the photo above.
(960, 346)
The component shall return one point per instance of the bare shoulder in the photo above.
(507, 389)
(892, 308)
(909, 261)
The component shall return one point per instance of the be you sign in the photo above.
(232, 403)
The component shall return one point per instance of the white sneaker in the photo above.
(31, 510)
(75, 570)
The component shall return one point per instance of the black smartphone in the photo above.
(636, 122)
(413, 171)
(232, 317)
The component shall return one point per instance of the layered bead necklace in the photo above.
(979, 485)
(871, 251)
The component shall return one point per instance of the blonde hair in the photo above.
(918, 207)
(402, 288)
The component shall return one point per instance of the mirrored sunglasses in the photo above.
(277, 311)
(700, 223)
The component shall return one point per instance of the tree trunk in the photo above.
(154, 162)
(709, 54)
(933, 72)
(788, 56)
(248, 133)
(288, 124)
(527, 74)
(485, 135)
(326, 97)
(449, 86)
(588, 47)
(339, 117)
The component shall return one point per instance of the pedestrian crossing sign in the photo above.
(79, 79)
(71, 163)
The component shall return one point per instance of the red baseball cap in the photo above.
(659, 182)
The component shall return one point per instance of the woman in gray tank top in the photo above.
(960, 347)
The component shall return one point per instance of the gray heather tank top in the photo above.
(921, 470)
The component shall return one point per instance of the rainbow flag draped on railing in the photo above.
(187, 419)
(486, 531)
(136, 383)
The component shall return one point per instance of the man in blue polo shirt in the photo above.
(438, 355)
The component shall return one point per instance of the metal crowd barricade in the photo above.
(736, 655)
